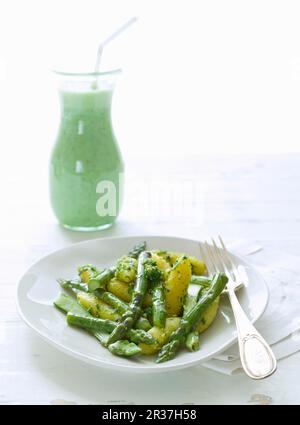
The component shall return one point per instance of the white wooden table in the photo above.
(253, 198)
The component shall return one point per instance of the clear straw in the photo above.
(109, 39)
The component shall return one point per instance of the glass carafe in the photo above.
(86, 166)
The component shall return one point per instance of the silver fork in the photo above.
(257, 358)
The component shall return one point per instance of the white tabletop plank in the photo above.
(255, 198)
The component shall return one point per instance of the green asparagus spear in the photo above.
(159, 312)
(73, 285)
(143, 323)
(91, 323)
(70, 305)
(102, 337)
(139, 335)
(137, 249)
(189, 302)
(130, 317)
(201, 280)
(192, 341)
(66, 304)
(121, 307)
(109, 298)
(124, 348)
(101, 279)
(155, 278)
(191, 318)
(95, 324)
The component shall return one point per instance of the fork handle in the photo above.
(257, 358)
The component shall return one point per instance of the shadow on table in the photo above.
(86, 384)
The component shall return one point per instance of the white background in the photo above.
(199, 76)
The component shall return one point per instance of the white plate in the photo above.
(38, 289)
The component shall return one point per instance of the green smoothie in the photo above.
(86, 167)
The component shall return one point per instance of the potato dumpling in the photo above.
(96, 307)
(161, 335)
(120, 289)
(85, 276)
(161, 263)
(123, 291)
(198, 266)
(86, 272)
(126, 269)
(176, 286)
(169, 256)
(208, 316)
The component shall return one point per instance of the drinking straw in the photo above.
(109, 39)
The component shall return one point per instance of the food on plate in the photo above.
(148, 302)
(191, 318)
(176, 285)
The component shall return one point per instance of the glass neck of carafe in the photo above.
(86, 93)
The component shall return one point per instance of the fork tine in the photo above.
(219, 256)
(211, 257)
(204, 257)
(215, 254)
(228, 257)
